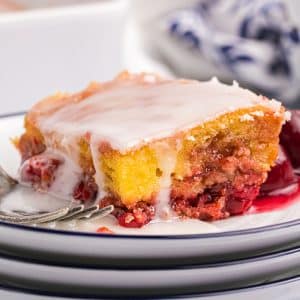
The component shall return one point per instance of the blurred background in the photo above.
(61, 45)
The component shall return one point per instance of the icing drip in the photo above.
(66, 178)
(166, 155)
(99, 176)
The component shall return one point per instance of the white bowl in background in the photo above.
(33, 4)
(59, 49)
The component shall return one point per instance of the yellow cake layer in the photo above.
(135, 176)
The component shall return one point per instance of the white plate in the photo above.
(282, 290)
(132, 282)
(194, 242)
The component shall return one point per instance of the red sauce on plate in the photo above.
(271, 203)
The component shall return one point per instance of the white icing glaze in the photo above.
(67, 177)
(27, 200)
(130, 114)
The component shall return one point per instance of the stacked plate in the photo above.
(248, 256)
(90, 265)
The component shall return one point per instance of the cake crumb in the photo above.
(287, 115)
(191, 138)
(149, 78)
(258, 113)
(274, 105)
(235, 83)
(215, 80)
(246, 117)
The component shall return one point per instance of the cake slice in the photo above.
(154, 148)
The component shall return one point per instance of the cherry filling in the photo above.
(283, 179)
(225, 183)
(280, 177)
(40, 171)
(86, 189)
(290, 138)
(220, 200)
(282, 184)
(104, 229)
(239, 201)
(138, 216)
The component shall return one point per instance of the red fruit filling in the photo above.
(219, 201)
(225, 184)
(290, 138)
(270, 203)
(104, 229)
(136, 217)
(280, 177)
(240, 200)
(40, 171)
(86, 189)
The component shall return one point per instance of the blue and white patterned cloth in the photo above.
(252, 41)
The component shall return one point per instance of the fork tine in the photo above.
(63, 214)
(6, 182)
(101, 212)
(35, 218)
(7, 177)
(66, 213)
(88, 212)
(82, 213)
(72, 212)
(24, 213)
(52, 216)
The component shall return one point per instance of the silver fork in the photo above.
(82, 212)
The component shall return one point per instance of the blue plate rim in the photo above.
(232, 233)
